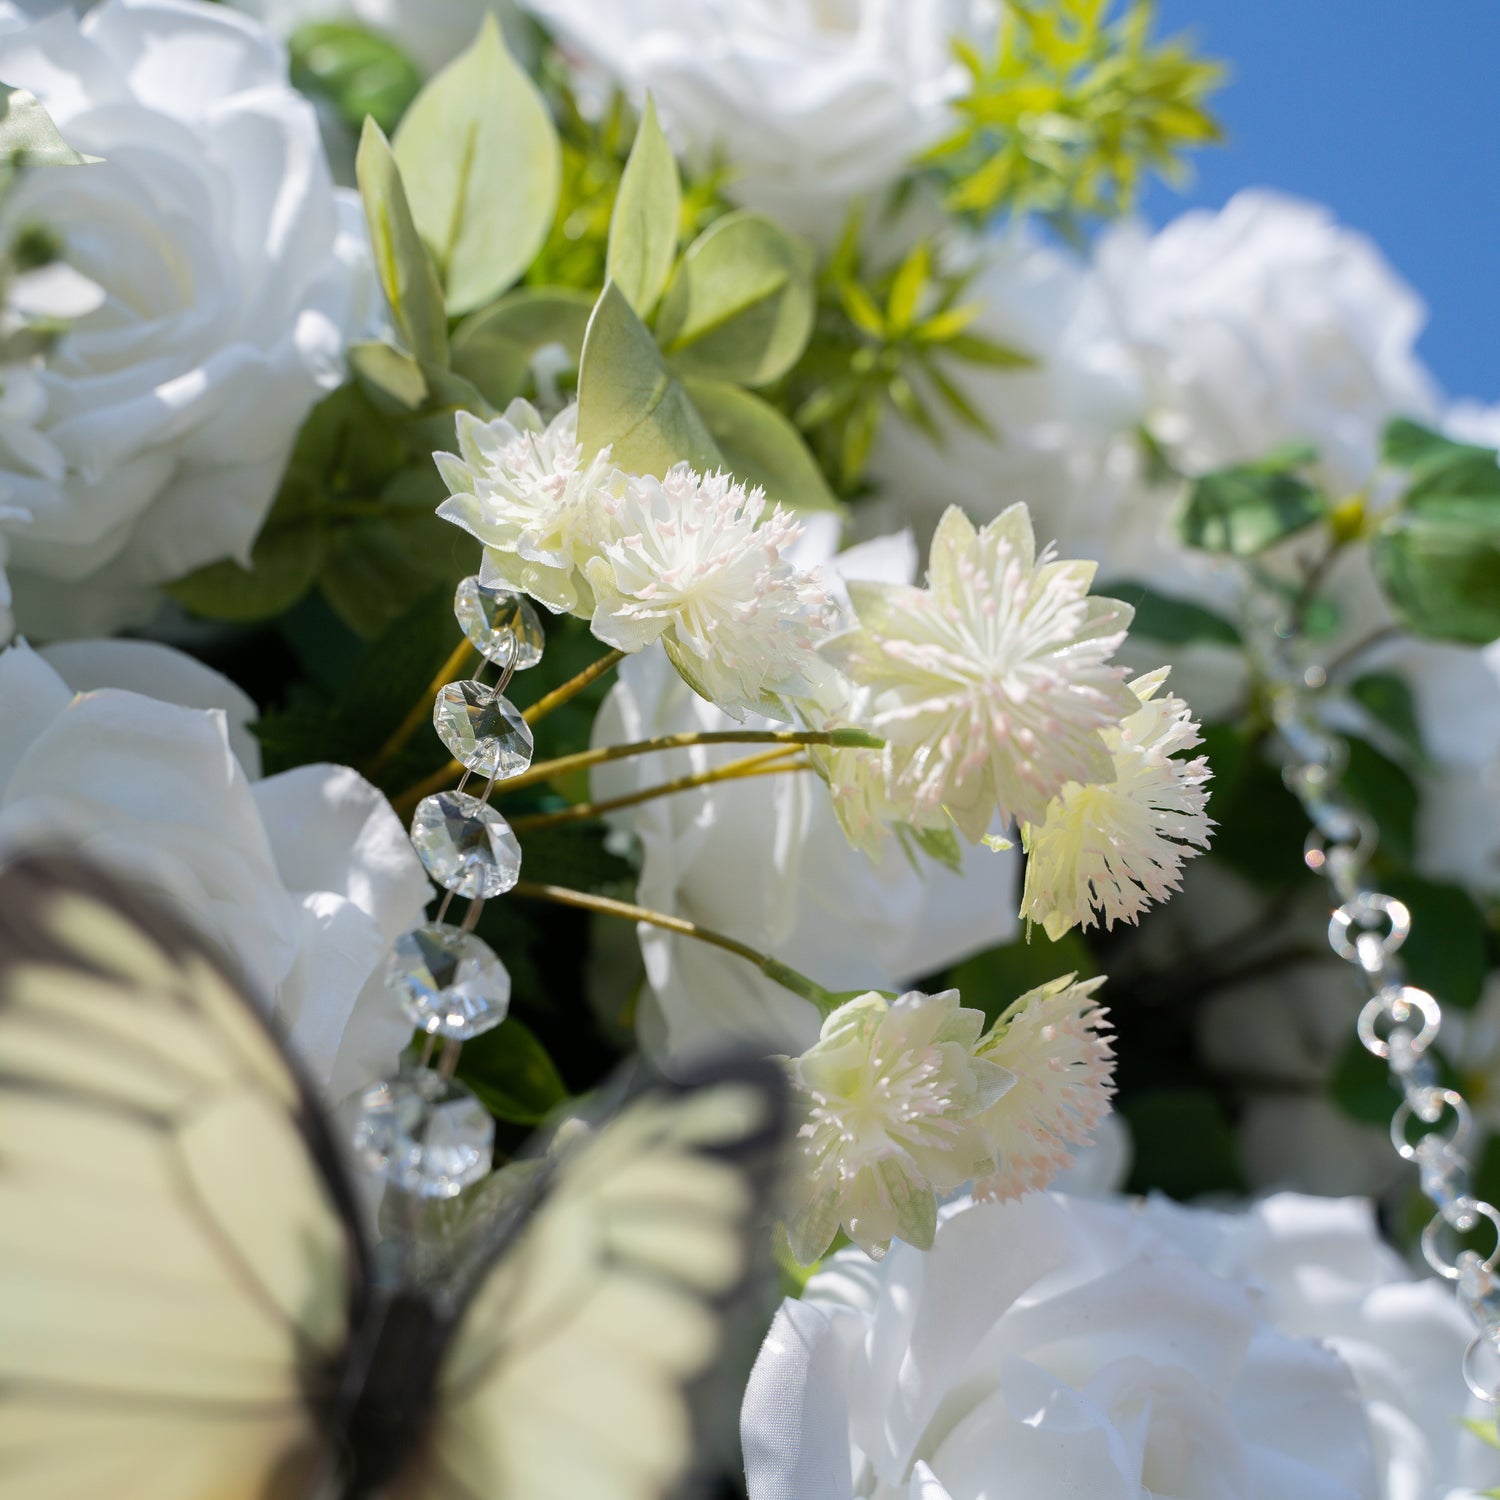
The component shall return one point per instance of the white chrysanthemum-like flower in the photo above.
(688, 560)
(520, 486)
(893, 1088)
(1051, 1041)
(1109, 849)
(991, 685)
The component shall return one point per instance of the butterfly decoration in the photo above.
(188, 1309)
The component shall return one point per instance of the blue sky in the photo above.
(1389, 112)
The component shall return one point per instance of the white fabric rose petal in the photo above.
(302, 880)
(811, 103)
(232, 274)
(1056, 1347)
(1264, 324)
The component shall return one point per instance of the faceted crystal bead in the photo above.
(492, 617)
(482, 730)
(449, 983)
(424, 1133)
(466, 845)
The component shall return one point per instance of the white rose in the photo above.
(303, 879)
(811, 103)
(1266, 324)
(232, 272)
(1064, 426)
(430, 32)
(1054, 1347)
(765, 861)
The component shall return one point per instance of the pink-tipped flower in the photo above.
(1052, 1040)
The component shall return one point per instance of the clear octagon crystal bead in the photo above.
(493, 617)
(483, 731)
(449, 982)
(424, 1133)
(467, 847)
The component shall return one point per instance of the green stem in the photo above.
(572, 687)
(564, 764)
(771, 764)
(783, 974)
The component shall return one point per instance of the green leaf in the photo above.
(28, 138)
(740, 304)
(482, 165)
(1184, 1146)
(343, 450)
(407, 275)
(1162, 617)
(347, 722)
(1361, 1086)
(1446, 953)
(643, 227)
(1441, 574)
(989, 981)
(359, 70)
(284, 563)
(1388, 700)
(628, 400)
(375, 569)
(493, 348)
(510, 1071)
(760, 445)
(1387, 793)
(1409, 445)
(1244, 510)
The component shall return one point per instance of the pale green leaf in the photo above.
(482, 166)
(628, 400)
(760, 445)
(643, 228)
(740, 304)
(1244, 510)
(402, 263)
(494, 346)
(28, 138)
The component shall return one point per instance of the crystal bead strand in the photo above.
(423, 1130)
(1399, 1021)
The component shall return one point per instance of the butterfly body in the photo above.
(187, 1308)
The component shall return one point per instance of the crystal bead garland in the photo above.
(1399, 1022)
(422, 1130)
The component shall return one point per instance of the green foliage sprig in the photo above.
(1072, 110)
(885, 342)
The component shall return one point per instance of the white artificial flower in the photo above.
(1056, 1347)
(520, 486)
(1266, 324)
(303, 880)
(892, 1091)
(694, 562)
(430, 32)
(1051, 1040)
(1107, 849)
(764, 861)
(991, 685)
(232, 274)
(811, 102)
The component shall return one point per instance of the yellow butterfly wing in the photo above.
(178, 1267)
(569, 1374)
